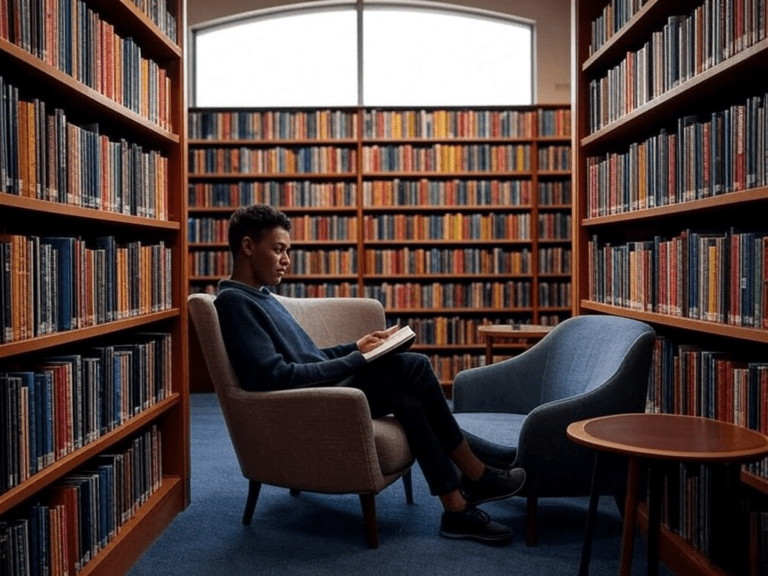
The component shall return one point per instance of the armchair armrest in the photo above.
(511, 386)
(313, 438)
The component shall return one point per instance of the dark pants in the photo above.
(405, 385)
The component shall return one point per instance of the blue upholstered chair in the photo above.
(515, 412)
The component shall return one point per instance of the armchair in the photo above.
(515, 412)
(314, 439)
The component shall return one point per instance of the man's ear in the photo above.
(247, 245)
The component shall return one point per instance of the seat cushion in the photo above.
(391, 445)
(492, 436)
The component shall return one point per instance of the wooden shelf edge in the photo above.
(71, 462)
(274, 176)
(67, 84)
(40, 343)
(726, 199)
(49, 207)
(204, 143)
(138, 533)
(701, 326)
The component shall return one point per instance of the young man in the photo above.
(270, 351)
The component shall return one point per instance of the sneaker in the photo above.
(473, 523)
(495, 484)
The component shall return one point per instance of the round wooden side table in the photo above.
(652, 441)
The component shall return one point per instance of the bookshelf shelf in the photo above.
(715, 98)
(492, 206)
(46, 342)
(70, 414)
(75, 460)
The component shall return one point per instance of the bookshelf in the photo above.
(452, 217)
(94, 462)
(669, 181)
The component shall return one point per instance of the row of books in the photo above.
(685, 47)
(305, 194)
(447, 261)
(158, 12)
(555, 158)
(554, 226)
(615, 15)
(724, 151)
(447, 158)
(414, 295)
(555, 260)
(73, 38)
(555, 123)
(555, 193)
(446, 366)
(689, 379)
(277, 160)
(44, 156)
(717, 277)
(554, 294)
(314, 290)
(54, 284)
(58, 405)
(340, 261)
(210, 263)
(467, 123)
(454, 192)
(456, 226)
(81, 514)
(304, 228)
(272, 124)
(445, 330)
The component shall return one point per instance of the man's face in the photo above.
(268, 257)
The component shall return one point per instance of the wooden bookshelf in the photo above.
(73, 183)
(471, 200)
(660, 161)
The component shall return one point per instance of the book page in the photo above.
(400, 340)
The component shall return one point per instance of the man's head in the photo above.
(259, 238)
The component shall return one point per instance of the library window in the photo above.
(348, 55)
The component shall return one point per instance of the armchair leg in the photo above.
(368, 503)
(250, 504)
(408, 485)
(530, 538)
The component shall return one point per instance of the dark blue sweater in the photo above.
(267, 347)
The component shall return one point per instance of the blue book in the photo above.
(44, 391)
(65, 270)
(27, 386)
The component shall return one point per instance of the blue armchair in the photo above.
(515, 412)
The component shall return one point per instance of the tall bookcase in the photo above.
(93, 348)
(670, 189)
(452, 217)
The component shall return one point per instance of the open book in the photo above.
(400, 340)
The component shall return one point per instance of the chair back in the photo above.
(587, 351)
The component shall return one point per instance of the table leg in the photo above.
(655, 478)
(594, 496)
(488, 349)
(634, 476)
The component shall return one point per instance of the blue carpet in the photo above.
(323, 534)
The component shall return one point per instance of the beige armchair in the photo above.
(314, 439)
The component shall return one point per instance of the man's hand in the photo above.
(375, 339)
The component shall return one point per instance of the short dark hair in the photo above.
(253, 221)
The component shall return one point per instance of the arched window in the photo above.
(372, 54)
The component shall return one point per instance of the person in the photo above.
(270, 351)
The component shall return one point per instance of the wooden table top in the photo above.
(518, 330)
(670, 437)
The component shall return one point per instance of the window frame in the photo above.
(359, 6)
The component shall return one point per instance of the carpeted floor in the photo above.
(314, 534)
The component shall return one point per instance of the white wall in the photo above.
(553, 29)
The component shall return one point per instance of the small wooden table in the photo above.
(653, 440)
(524, 335)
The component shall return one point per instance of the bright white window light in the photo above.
(291, 59)
(417, 56)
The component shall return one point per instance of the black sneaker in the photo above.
(473, 523)
(495, 484)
